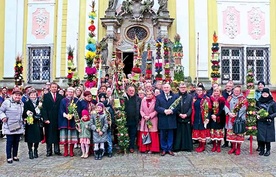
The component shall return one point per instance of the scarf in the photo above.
(265, 100)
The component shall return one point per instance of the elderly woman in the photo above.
(33, 128)
(149, 123)
(11, 115)
(235, 107)
(66, 122)
(266, 128)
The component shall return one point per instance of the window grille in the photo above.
(258, 60)
(39, 64)
(235, 63)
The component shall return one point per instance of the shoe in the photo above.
(224, 145)
(163, 153)
(267, 153)
(57, 153)
(258, 148)
(131, 150)
(9, 161)
(96, 155)
(35, 153)
(109, 155)
(261, 153)
(49, 154)
(31, 155)
(171, 153)
(82, 155)
(149, 152)
(100, 154)
(16, 159)
(85, 156)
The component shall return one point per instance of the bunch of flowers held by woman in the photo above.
(30, 118)
(262, 113)
(72, 111)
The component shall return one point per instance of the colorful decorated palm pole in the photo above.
(158, 61)
(251, 113)
(215, 74)
(72, 76)
(149, 64)
(166, 60)
(178, 54)
(91, 55)
(119, 102)
(137, 61)
(18, 71)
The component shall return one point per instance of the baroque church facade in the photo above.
(41, 31)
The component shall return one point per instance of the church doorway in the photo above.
(128, 61)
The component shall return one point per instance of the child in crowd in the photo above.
(99, 128)
(84, 133)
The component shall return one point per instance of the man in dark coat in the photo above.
(166, 118)
(132, 109)
(183, 136)
(51, 105)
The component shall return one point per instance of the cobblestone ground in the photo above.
(138, 164)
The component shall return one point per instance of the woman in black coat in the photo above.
(33, 129)
(266, 129)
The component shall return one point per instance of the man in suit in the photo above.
(51, 105)
(166, 119)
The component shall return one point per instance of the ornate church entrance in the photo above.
(128, 61)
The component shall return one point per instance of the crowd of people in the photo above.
(173, 121)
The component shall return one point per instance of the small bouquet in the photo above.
(238, 107)
(205, 112)
(72, 110)
(30, 118)
(175, 103)
(98, 124)
(149, 124)
(262, 113)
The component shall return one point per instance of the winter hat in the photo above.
(100, 104)
(86, 93)
(266, 90)
(102, 95)
(201, 86)
(261, 82)
(84, 113)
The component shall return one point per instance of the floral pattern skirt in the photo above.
(232, 137)
(216, 134)
(201, 135)
(68, 136)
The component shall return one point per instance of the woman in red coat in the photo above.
(149, 115)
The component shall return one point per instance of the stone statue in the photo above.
(147, 6)
(112, 4)
(104, 50)
(163, 5)
(125, 9)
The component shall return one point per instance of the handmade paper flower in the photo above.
(90, 70)
(90, 55)
(92, 28)
(91, 47)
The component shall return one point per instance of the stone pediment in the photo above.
(137, 10)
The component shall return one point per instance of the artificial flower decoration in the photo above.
(18, 69)
(215, 73)
(91, 47)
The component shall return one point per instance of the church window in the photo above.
(138, 31)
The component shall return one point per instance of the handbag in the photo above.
(239, 125)
(14, 126)
(146, 139)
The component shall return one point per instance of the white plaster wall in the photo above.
(243, 6)
(14, 20)
(182, 28)
(59, 36)
(201, 27)
(73, 27)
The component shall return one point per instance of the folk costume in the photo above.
(67, 126)
(216, 126)
(183, 136)
(50, 111)
(266, 128)
(147, 109)
(237, 105)
(201, 111)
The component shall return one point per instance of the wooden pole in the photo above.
(197, 58)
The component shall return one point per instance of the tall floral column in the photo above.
(178, 54)
(158, 61)
(149, 64)
(136, 70)
(166, 60)
(251, 113)
(215, 74)
(119, 103)
(90, 56)
(18, 71)
(72, 76)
